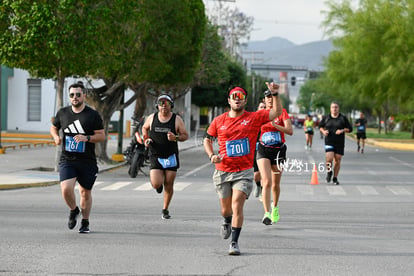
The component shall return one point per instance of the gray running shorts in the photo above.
(226, 181)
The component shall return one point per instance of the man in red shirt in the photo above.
(236, 132)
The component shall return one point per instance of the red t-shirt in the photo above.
(237, 139)
(269, 135)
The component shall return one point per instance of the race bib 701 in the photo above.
(236, 148)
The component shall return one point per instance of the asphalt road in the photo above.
(362, 227)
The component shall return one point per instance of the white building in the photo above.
(28, 104)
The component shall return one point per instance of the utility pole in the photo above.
(252, 60)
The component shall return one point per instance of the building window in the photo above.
(34, 100)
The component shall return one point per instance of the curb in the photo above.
(386, 145)
(27, 185)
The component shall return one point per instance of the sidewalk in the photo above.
(34, 166)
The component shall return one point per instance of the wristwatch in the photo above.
(275, 94)
(88, 137)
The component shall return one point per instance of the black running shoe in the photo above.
(165, 214)
(358, 148)
(328, 177)
(159, 190)
(84, 226)
(258, 191)
(362, 150)
(225, 230)
(335, 181)
(72, 217)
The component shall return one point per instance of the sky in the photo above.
(296, 20)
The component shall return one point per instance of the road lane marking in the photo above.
(335, 190)
(179, 186)
(367, 190)
(116, 186)
(304, 189)
(401, 162)
(144, 187)
(195, 170)
(398, 190)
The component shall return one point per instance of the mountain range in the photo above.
(280, 51)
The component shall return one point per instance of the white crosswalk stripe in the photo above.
(179, 186)
(335, 190)
(144, 187)
(304, 189)
(367, 190)
(289, 190)
(398, 190)
(116, 186)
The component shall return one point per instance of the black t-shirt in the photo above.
(160, 145)
(332, 125)
(362, 125)
(71, 123)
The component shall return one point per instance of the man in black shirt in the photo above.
(82, 127)
(361, 131)
(334, 126)
(162, 130)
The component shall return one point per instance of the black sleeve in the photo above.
(322, 122)
(347, 124)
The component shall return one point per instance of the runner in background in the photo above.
(308, 126)
(256, 177)
(271, 156)
(361, 132)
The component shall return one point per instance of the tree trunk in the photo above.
(412, 130)
(58, 105)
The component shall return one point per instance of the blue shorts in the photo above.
(85, 172)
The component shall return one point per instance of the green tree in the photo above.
(50, 39)
(140, 44)
(148, 55)
(373, 53)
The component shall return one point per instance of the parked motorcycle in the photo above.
(136, 154)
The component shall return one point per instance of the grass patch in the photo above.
(399, 135)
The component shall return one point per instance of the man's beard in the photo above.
(240, 108)
(77, 105)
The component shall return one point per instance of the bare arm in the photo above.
(98, 136)
(288, 129)
(208, 147)
(55, 134)
(182, 133)
(276, 110)
(146, 129)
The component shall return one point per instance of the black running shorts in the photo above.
(85, 172)
(276, 155)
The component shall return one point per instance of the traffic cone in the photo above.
(314, 179)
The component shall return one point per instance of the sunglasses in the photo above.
(237, 94)
(161, 103)
(78, 94)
